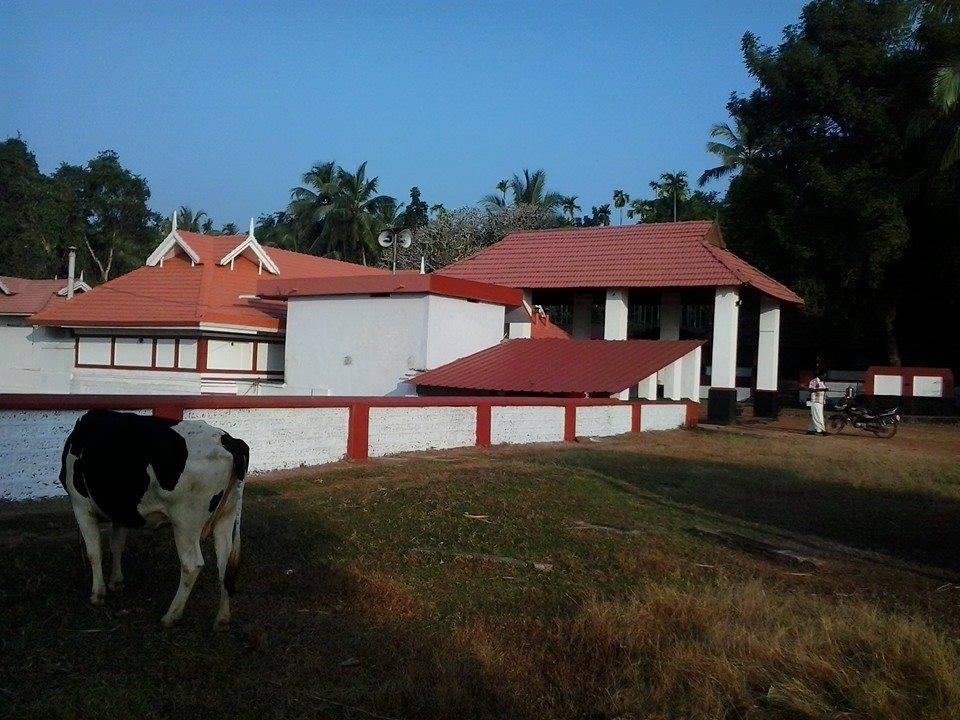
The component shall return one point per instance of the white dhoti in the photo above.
(816, 418)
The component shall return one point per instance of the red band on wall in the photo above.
(570, 423)
(635, 417)
(693, 415)
(358, 433)
(483, 425)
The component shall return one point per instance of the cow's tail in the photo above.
(241, 462)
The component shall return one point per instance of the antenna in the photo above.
(174, 221)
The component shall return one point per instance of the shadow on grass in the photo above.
(311, 637)
(918, 527)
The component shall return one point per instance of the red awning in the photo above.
(589, 367)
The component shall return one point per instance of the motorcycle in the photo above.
(882, 424)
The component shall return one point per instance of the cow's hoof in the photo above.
(168, 621)
(96, 600)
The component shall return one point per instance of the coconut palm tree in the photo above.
(672, 185)
(569, 206)
(736, 147)
(531, 189)
(350, 224)
(620, 200)
(311, 202)
(192, 221)
(946, 97)
(503, 186)
(601, 215)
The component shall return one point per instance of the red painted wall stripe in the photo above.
(358, 432)
(635, 417)
(570, 423)
(693, 415)
(483, 425)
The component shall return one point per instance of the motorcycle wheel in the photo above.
(837, 424)
(886, 431)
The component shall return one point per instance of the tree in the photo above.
(438, 209)
(531, 189)
(736, 147)
(278, 230)
(620, 200)
(569, 206)
(946, 98)
(639, 209)
(349, 227)
(503, 186)
(674, 186)
(828, 206)
(417, 213)
(599, 216)
(112, 208)
(311, 202)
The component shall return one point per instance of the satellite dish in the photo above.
(406, 238)
(385, 239)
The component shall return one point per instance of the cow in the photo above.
(137, 471)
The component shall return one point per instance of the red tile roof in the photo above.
(541, 328)
(401, 283)
(558, 366)
(177, 294)
(29, 296)
(654, 255)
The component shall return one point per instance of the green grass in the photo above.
(340, 614)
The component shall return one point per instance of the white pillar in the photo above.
(670, 316)
(690, 375)
(519, 320)
(615, 314)
(671, 380)
(726, 314)
(768, 349)
(647, 389)
(582, 326)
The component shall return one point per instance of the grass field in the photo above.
(574, 581)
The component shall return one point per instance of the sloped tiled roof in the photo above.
(654, 255)
(178, 294)
(558, 366)
(29, 296)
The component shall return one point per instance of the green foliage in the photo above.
(417, 213)
(839, 198)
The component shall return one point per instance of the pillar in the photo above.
(766, 401)
(690, 375)
(670, 316)
(647, 389)
(671, 376)
(615, 314)
(519, 320)
(582, 326)
(722, 402)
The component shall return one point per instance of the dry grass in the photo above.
(339, 618)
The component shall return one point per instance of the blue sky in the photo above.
(224, 105)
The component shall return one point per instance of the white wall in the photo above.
(402, 429)
(362, 345)
(526, 424)
(34, 359)
(457, 328)
(662, 417)
(603, 420)
(108, 381)
(283, 437)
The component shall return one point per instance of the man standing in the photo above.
(818, 396)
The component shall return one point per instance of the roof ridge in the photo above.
(712, 250)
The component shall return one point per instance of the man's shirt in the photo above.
(817, 386)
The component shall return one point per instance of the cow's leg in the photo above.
(90, 530)
(226, 542)
(118, 538)
(187, 540)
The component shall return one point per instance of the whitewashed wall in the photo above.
(603, 420)
(34, 359)
(31, 441)
(283, 437)
(403, 429)
(662, 417)
(526, 424)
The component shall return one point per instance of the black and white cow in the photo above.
(141, 471)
